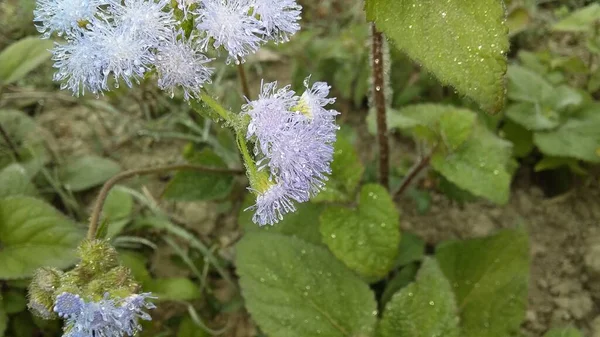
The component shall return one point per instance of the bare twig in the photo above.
(243, 80)
(412, 174)
(95, 217)
(380, 106)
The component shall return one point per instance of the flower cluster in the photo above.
(293, 137)
(109, 41)
(107, 317)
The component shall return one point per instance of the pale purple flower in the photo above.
(104, 318)
(63, 16)
(181, 64)
(146, 19)
(227, 23)
(278, 17)
(272, 204)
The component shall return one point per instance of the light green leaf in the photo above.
(296, 289)
(581, 20)
(518, 20)
(490, 278)
(15, 181)
(346, 172)
(23, 56)
(525, 85)
(403, 278)
(118, 204)
(551, 163)
(14, 301)
(422, 309)
(174, 289)
(82, 173)
(577, 138)
(3, 318)
(303, 223)
(34, 235)
(533, 116)
(470, 57)
(195, 185)
(366, 239)
(478, 166)
(137, 264)
(564, 332)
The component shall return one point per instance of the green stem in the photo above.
(218, 108)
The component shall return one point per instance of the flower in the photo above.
(227, 23)
(294, 139)
(143, 18)
(106, 317)
(179, 63)
(278, 17)
(63, 16)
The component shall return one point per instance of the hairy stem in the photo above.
(412, 174)
(95, 217)
(243, 80)
(9, 142)
(380, 106)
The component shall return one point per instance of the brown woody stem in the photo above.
(379, 102)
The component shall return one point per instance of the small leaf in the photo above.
(490, 278)
(551, 163)
(577, 138)
(196, 185)
(296, 289)
(525, 85)
(303, 223)
(346, 172)
(174, 289)
(23, 56)
(564, 332)
(366, 239)
(403, 278)
(411, 249)
(118, 204)
(137, 264)
(517, 21)
(581, 20)
(521, 138)
(187, 328)
(422, 309)
(533, 116)
(478, 166)
(34, 235)
(82, 173)
(25, 135)
(15, 181)
(14, 302)
(470, 57)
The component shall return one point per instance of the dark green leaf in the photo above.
(3, 318)
(490, 278)
(403, 278)
(470, 57)
(296, 289)
(14, 301)
(137, 264)
(22, 57)
(551, 163)
(196, 185)
(187, 328)
(412, 248)
(33, 235)
(25, 136)
(366, 239)
(422, 309)
(521, 138)
(82, 173)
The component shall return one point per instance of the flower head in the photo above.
(63, 16)
(181, 64)
(272, 204)
(278, 17)
(228, 23)
(144, 18)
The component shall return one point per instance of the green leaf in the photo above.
(366, 239)
(195, 185)
(14, 301)
(517, 21)
(82, 173)
(303, 223)
(3, 318)
(577, 138)
(187, 328)
(346, 172)
(174, 289)
(521, 138)
(136, 262)
(403, 278)
(118, 204)
(551, 163)
(422, 309)
(525, 85)
(296, 289)
(23, 56)
(478, 166)
(24, 134)
(34, 235)
(15, 181)
(470, 57)
(533, 116)
(564, 332)
(490, 278)
(412, 248)
(581, 20)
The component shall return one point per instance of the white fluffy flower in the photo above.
(63, 16)
(179, 63)
(228, 23)
(278, 17)
(144, 18)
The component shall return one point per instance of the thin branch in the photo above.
(95, 217)
(380, 106)
(243, 80)
(9, 142)
(412, 174)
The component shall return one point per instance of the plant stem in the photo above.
(218, 108)
(243, 80)
(11, 145)
(95, 217)
(412, 174)
(380, 106)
